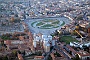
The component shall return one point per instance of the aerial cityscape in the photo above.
(44, 29)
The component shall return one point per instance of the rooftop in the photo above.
(83, 53)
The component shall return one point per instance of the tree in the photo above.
(76, 57)
(39, 53)
(2, 42)
(56, 32)
(24, 53)
(2, 24)
(57, 54)
(5, 58)
(5, 37)
(14, 52)
(0, 58)
(16, 15)
(49, 57)
(51, 48)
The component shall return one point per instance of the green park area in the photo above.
(47, 23)
(68, 39)
(56, 22)
(39, 24)
(62, 23)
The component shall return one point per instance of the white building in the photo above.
(47, 48)
(45, 40)
(76, 44)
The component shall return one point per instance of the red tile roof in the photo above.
(71, 49)
(8, 42)
(41, 57)
(83, 53)
(20, 57)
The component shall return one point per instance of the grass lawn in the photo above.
(68, 39)
(39, 24)
(56, 22)
(55, 26)
(47, 25)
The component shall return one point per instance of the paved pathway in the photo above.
(45, 31)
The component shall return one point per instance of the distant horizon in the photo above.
(41, 0)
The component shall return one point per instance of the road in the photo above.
(46, 57)
(57, 47)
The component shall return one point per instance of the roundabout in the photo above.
(47, 23)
